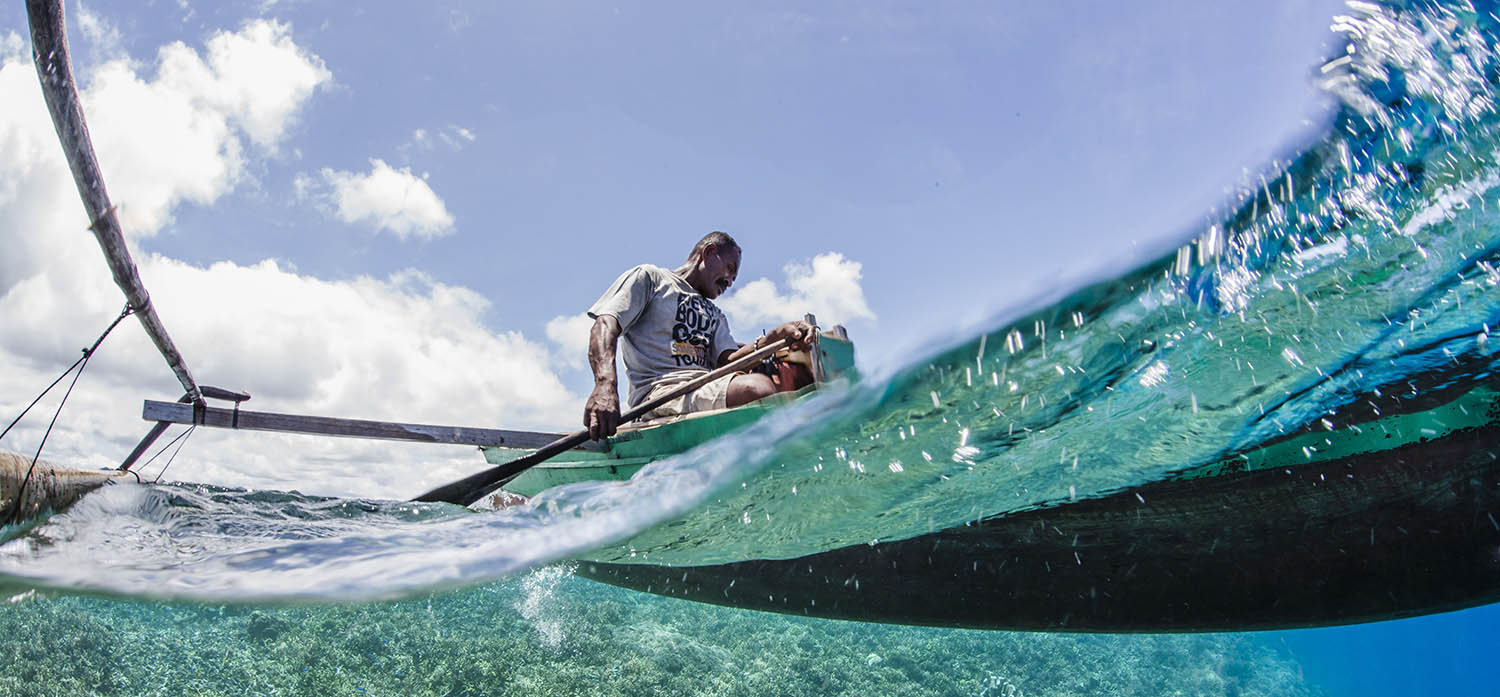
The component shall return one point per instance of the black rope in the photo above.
(163, 448)
(39, 397)
(79, 364)
(20, 492)
(180, 437)
(128, 311)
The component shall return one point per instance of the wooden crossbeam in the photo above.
(177, 412)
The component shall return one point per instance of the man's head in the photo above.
(712, 265)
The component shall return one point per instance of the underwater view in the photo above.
(550, 633)
(1262, 464)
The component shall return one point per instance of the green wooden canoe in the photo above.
(636, 445)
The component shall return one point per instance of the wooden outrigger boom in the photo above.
(49, 49)
(181, 413)
(27, 488)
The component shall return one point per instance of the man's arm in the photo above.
(798, 331)
(601, 414)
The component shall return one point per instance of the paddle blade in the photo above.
(452, 492)
(473, 487)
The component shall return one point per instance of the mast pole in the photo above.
(49, 47)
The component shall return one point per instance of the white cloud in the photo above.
(10, 46)
(828, 287)
(104, 37)
(403, 348)
(29, 165)
(453, 137)
(570, 333)
(395, 200)
(258, 76)
(180, 135)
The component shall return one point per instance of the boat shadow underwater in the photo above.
(1399, 522)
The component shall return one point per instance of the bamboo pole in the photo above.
(49, 48)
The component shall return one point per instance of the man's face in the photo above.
(720, 267)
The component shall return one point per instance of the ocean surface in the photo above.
(1367, 261)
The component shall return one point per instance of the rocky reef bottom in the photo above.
(550, 633)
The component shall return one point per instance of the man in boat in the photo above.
(673, 333)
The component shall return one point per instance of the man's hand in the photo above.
(798, 332)
(601, 414)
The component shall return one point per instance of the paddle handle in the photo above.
(474, 487)
(729, 368)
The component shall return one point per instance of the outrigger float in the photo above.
(1394, 516)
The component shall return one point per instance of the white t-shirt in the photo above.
(668, 331)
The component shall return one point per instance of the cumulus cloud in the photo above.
(258, 76)
(181, 134)
(828, 286)
(390, 199)
(570, 334)
(178, 135)
(403, 347)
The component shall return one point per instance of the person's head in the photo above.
(712, 265)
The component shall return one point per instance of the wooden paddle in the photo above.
(474, 487)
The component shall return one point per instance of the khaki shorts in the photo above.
(709, 397)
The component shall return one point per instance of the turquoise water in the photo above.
(1367, 262)
(549, 633)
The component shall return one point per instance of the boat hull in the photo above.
(632, 449)
(637, 445)
(1403, 532)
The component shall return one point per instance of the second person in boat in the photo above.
(673, 332)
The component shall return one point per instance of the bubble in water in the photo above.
(541, 606)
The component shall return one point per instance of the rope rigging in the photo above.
(180, 437)
(82, 360)
(78, 365)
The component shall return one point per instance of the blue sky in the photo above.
(386, 210)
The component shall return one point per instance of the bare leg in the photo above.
(747, 388)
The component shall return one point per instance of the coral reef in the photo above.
(553, 634)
